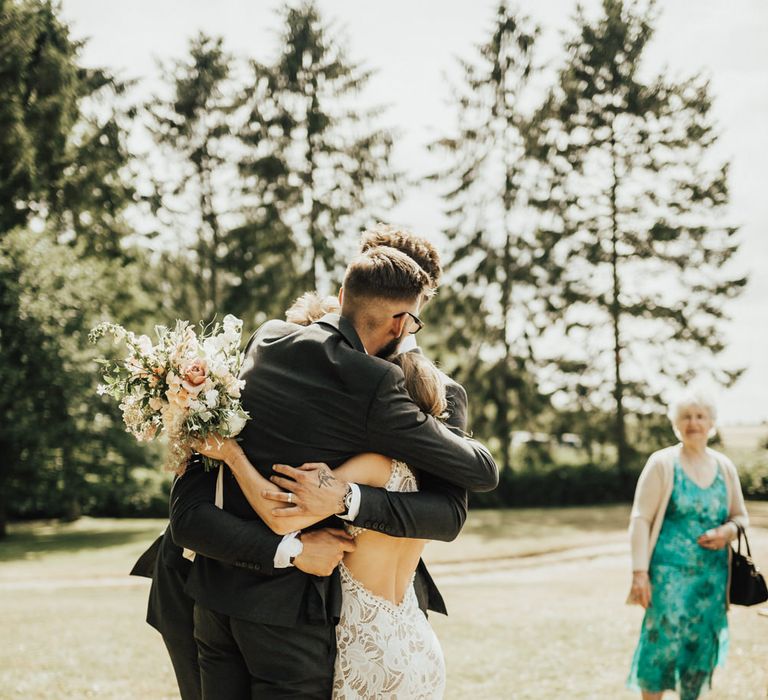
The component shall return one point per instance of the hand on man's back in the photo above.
(311, 489)
(323, 550)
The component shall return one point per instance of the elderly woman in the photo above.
(686, 499)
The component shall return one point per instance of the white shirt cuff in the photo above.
(354, 507)
(289, 547)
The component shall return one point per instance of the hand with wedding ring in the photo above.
(310, 489)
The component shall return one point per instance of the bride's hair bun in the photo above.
(311, 307)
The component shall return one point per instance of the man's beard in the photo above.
(390, 349)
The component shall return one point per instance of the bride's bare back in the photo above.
(383, 564)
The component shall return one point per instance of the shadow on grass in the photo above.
(31, 545)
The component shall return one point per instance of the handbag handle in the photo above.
(743, 532)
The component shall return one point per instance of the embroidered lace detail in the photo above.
(383, 650)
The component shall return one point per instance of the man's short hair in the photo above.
(384, 273)
(419, 249)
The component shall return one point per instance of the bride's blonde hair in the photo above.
(311, 307)
(424, 383)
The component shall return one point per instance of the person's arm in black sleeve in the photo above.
(437, 512)
(396, 427)
(197, 524)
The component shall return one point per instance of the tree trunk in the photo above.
(3, 516)
(9, 462)
(213, 224)
(620, 434)
(504, 408)
(71, 501)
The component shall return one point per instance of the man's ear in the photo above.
(397, 325)
(341, 296)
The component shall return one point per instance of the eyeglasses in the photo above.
(414, 325)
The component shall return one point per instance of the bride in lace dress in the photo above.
(386, 648)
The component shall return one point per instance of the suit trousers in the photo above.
(170, 612)
(242, 660)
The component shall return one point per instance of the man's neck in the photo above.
(363, 339)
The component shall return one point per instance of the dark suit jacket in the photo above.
(314, 395)
(169, 608)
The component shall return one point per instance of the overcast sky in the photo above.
(413, 44)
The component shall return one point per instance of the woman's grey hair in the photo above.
(688, 398)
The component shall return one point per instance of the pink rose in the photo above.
(195, 375)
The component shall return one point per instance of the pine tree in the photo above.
(491, 293)
(339, 164)
(636, 232)
(62, 133)
(64, 173)
(264, 257)
(194, 127)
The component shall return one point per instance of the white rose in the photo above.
(235, 424)
(219, 370)
(211, 398)
(212, 346)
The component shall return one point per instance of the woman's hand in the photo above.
(641, 588)
(716, 538)
(217, 447)
(312, 489)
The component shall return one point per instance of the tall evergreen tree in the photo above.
(263, 254)
(64, 169)
(491, 293)
(194, 127)
(62, 132)
(338, 162)
(637, 232)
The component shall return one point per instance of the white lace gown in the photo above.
(385, 651)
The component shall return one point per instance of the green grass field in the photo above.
(536, 602)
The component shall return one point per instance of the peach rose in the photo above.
(195, 375)
(178, 398)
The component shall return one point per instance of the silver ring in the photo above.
(290, 497)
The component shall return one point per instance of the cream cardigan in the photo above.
(654, 487)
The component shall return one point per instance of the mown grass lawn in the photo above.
(520, 625)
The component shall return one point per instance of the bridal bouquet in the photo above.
(184, 385)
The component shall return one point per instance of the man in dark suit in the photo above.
(170, 609)
(316, 393)
(426, 256)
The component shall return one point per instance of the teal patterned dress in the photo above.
(685, 630)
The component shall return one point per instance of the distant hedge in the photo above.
(145, 492)
(588, 484)
(567, 485)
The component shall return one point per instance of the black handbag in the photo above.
(747, 583)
